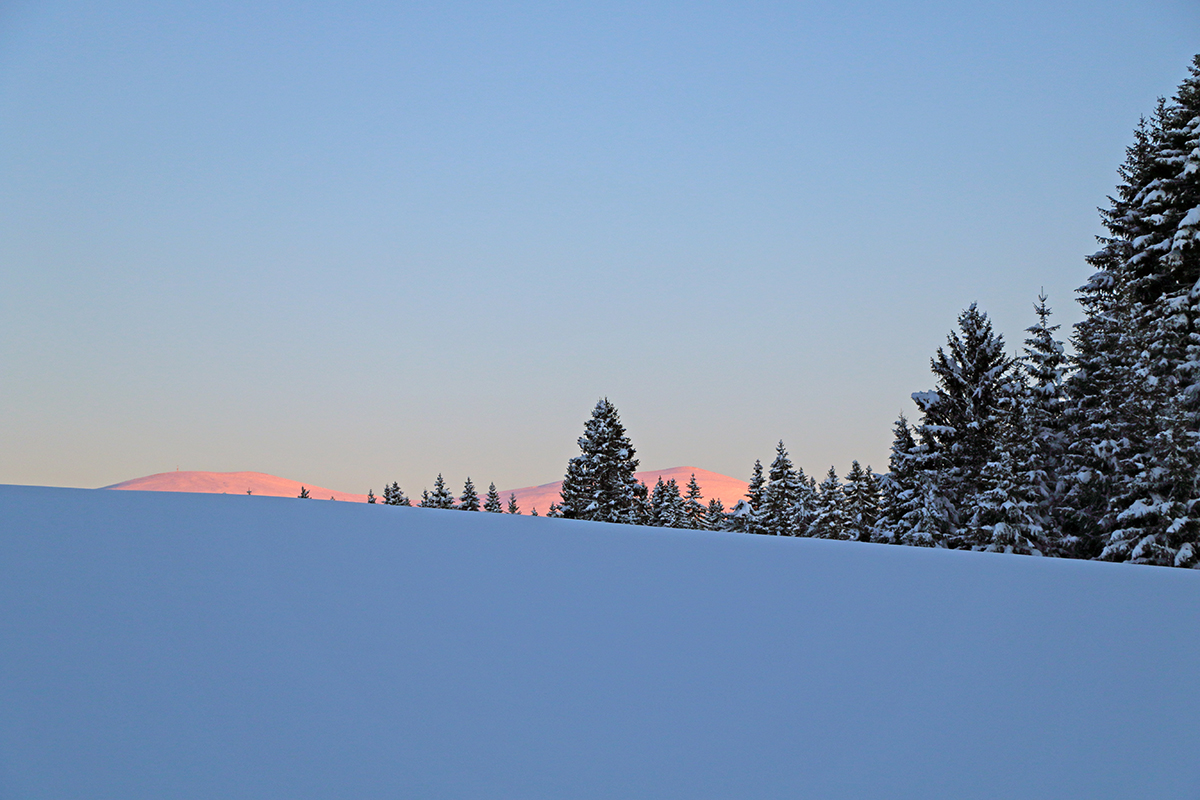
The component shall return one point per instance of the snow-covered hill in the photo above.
(199, 646)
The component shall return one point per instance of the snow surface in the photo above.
(159, 645)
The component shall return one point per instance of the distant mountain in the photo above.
(713, 484)
(232, 483)
(728, 490)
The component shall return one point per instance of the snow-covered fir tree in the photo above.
(513, 508)
(393, 496)
(370, 496)
(643, 512)
(746, 516)
(469, 501)
(554, 511)
(1134, 401)
(715, 518)
(861, 493)
(899, 489)
(784, 509)
(829, 519)
(440, 497)
(492, 502)
(599, 484)
(693, 505)
(667, 506)
(1044, 364)
(962, 421)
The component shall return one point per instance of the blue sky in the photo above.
(349, 243)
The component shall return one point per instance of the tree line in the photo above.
(1095, 454)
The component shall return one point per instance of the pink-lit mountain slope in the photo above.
(728, 490)
(712, 484)
(232, 483)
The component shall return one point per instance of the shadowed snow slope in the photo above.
(200, 646)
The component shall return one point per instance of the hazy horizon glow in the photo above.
(362, 243)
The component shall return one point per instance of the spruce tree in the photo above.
(899, 489)
(1134, 403)
(492, 504)
(513, 508)
(533, 512)
(746, 516)
(303, 493)
(554, 511)
(784, 510)
(830, 520)
(715, 518)
(643, 511)
(861, 503)
(693, 505)
(599, 484)
(962, 422)
(370, 496)
(469, 501)
(440, 497)
(667, 506)
(393, 496)
(1043, 412)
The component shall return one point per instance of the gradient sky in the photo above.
(350, 243)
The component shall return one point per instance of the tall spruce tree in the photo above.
(899, 489)
(600, 483)
(962, 421)
(693, 505)
(1044, 364)
(1134, 402)
(492, 503)
(513, 508)
(785, 507)
(830, 520)
(861, 492)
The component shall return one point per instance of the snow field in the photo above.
(201, 646)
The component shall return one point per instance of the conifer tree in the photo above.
(492, 504)
(693, 505)
(1043, 412)
(440, 497)
(370, 496)
(1134, 401)
(861, 503)
(830, 520)
(554, 511)
(599, 484)
(643, 511)
(303, 493)
(746, 515)
(393, 496)
(513, 508)
(784, 510)
(667, 505)
(962, 421)
(533, 512)
(899, 488)
(469, 501)
(715, 518)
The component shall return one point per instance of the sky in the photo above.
(354, 243)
